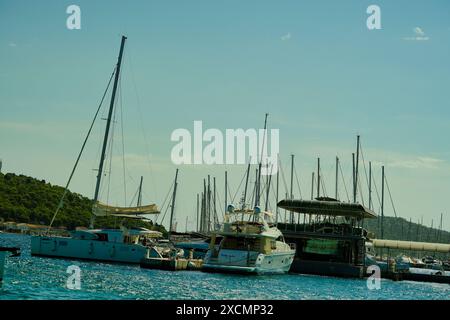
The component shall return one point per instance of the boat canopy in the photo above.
(327, 208)
(411, 245)
(101, 210)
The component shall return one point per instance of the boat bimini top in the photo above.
(328, 208)
(101, 210)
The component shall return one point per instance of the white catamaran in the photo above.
(249, 245)
(127, 245)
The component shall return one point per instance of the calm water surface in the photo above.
(29, 277)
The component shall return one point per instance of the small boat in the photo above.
(164, 255)
(4, 252)
(253, 245)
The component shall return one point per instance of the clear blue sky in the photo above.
(313, 65)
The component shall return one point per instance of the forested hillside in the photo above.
(28, 200)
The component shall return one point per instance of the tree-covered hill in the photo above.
(401, 229)
(28, 200)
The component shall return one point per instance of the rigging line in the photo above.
(324, 189)
(376, 191)
(111, 148)
(360, 191)
(61, 201)
(165, 212)
(123, 141)
(283, 178)
(343, 181)
(253, 192)
(237, 190)
(364, 166)
(229, 191)
(165, 199)
(298, 183)
(134, 197)
(390, 196)
(147, 146)
(220, 207)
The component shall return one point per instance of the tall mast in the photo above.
(269, 180)
(278, 180)
(370, 185)
(173, 204)
(258, 186)
(312, 186)
(197, 212)
(382, 202)
(318, 177)
(203, 220)
(337, 177)
(356, 166)
(292, 177)
(139, 199)
(215, 219)
(226, 191)
(354, 177)
(208, 206)
(246, 186)
(108, 124)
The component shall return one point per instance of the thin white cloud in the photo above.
(12, 44)
(417, 163)
(286, 36)
(419, 35)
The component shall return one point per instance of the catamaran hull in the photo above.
(264, 264)
(60, 247)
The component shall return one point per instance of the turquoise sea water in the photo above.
(29, 277)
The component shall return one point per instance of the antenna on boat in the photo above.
(172, 210)
(108, 124)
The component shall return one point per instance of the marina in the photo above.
(33, 277)
(241, 119)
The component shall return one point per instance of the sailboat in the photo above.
(126, 245)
